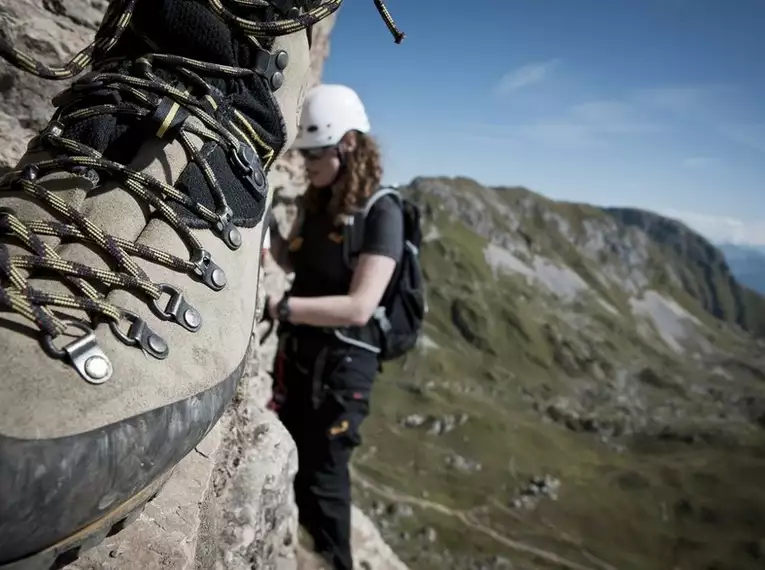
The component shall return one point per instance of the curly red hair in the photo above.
(358, 180)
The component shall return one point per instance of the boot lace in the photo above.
(144, 93)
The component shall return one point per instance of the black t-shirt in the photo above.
(317, 254)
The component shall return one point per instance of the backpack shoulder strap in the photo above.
(381, 193)
(354, 226)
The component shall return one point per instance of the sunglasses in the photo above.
(314, 153)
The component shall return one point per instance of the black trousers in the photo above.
(321, 394)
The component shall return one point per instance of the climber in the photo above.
(130, 235)
(322, 378)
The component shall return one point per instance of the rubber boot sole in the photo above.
(68, 550)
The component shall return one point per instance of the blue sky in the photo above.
(656, 104)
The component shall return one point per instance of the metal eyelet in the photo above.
(229, 233)
(139, 334)
(177, 309)
(250, 170)
(84, 353)
(205, 268)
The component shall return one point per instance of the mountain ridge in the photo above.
(720, 294)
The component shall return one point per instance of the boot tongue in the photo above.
(187, 28)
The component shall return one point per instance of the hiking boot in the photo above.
(130, 237)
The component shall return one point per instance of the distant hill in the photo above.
(588, 393)
(747, 263)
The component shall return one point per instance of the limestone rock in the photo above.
(51, 31)
(370, 551)
(165, 535)
(255, 507)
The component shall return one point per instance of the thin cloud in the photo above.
(701, 162)
(488, 139)
(709, 106)
(589, 124)
(723, 229)
(603, 111)
(525, 76)
(679, 99)
(614, 116)
(751, 135)
(559, 134)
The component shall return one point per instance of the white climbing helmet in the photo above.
(330, 111)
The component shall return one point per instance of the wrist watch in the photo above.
(283, 309)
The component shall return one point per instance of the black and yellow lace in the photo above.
(147, 92)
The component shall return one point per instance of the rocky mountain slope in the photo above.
(703, 270)
(588, 394)
(747, 264)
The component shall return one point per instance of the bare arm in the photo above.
(383, 244)
(370, 279)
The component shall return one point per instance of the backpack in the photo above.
(403, 306)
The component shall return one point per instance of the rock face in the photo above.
(53, 31)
